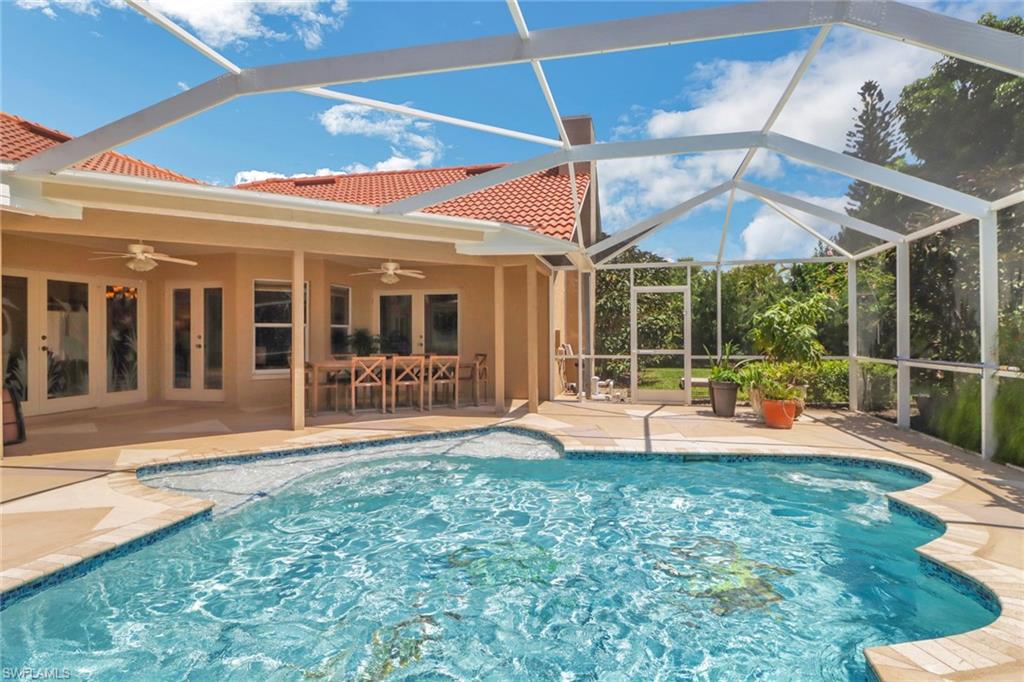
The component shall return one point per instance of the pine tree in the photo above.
(875, 137)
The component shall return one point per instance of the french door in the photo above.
(195, 366)
(418, 322)
(72, 342)
(660, 354)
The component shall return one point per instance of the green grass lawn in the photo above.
(667, 378)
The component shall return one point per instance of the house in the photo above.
(87, 326)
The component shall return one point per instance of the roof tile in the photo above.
(540, 201)
(20, 139)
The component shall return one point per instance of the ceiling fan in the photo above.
(141, 257)
(391, 271)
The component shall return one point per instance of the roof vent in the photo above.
(306, 182)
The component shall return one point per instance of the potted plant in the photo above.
(779, 402)
(363, 342)
(723, 382)
(751, 377)
(787, 332)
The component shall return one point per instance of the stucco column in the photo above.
(298, 341)
(532, 341)
(499, 339)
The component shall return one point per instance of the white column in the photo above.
(851, 333)
(591, 311)
(298, 368)
(718, 311)
(499, 340)
(634, 368)
(988, 271)
(582, 378)
(903, 334)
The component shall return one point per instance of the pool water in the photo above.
(452, 566)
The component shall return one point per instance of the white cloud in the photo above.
(734, 95)
(183, 86)
(769, 235)
(226, 22)
(413, 144)
(244, 176)
(50, 7)
(633, 189)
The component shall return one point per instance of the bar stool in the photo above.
(369, 373)
(443, 371)
(476, 372)
(406, 371)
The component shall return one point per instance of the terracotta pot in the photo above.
(779, 414)
(801, 401)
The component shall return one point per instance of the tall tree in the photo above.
(963, 117)
(875, 137)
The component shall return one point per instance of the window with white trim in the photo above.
(272, 324)
(341, 318)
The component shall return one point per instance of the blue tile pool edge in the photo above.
(963, 583)
(27, 589)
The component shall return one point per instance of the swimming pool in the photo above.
(490, 556)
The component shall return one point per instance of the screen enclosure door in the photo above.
(659, 338)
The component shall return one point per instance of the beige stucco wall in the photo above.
(35, 244)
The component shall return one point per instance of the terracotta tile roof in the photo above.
(20, 139)
(542, 201)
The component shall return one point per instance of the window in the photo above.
(340, 318)
(272, 321)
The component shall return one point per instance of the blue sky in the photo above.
(77, 64)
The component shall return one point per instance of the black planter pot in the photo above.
(723, 398)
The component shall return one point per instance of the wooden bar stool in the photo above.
(369, 373)
(476, 372)
(314, 385)
(406, 371)
(442, 371)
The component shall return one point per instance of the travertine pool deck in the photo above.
(70, 492)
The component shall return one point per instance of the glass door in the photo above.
(16, 337)
(417, 323)
(441, 324)
(196, 341)
(660, 364)
(396, 324)
(72, 342)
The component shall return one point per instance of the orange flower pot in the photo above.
(779, 414)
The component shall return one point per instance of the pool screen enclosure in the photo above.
(980, 45)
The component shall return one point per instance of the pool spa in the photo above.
(495, 555)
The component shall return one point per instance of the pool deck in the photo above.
(70, 492)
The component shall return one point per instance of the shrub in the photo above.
(1009, 421)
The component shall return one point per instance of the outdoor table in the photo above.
(319, 367)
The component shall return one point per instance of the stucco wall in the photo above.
(237, 271)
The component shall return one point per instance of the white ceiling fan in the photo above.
(141, 257)
(391, 271)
